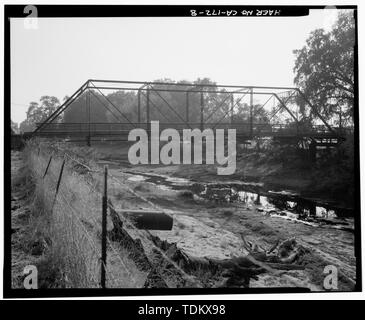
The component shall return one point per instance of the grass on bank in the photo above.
(65, 237)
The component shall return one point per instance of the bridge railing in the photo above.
(247, 129)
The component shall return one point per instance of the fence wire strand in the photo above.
(76, 215)
(140, 232)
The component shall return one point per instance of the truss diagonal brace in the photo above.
(235, 104)
(157, 108)
(279, 108)
(114, 106)
(286, 108)
(106, 107)
(62, 107)
(221, 104)
(315, 110)
(164, 100)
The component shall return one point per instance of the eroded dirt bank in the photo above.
(250, 167)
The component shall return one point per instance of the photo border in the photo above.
(91, 11)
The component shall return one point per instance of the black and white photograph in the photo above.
(181, 150)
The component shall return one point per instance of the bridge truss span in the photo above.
(109, 109)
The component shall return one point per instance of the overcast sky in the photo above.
(61, 54)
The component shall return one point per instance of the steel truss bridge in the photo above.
(284, 119)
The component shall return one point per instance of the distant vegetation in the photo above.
(324, 69)
(38, 112)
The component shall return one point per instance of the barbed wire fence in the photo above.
(76, 231)
(143, 234)
(77, 225)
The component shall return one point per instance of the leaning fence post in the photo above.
(49, 162)
(58, 183)
(103, 228)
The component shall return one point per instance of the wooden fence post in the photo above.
(49, 162)
(58, 183)
(103, 228)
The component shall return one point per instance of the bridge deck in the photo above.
(243, 130)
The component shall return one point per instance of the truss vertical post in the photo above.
(201, 111)
(139, 106)
(232, 105)
(187, 106)
(251, 112)
(148, 122)
(88, 117)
